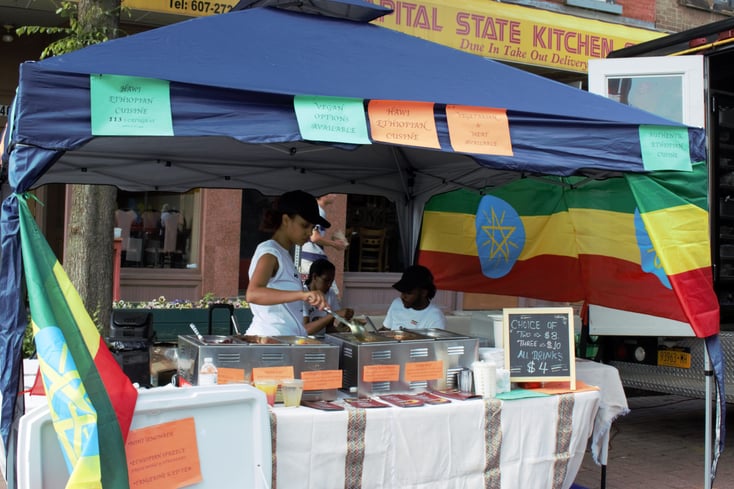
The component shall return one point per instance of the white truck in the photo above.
(688, 77)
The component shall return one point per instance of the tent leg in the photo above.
(603, 477)
(708, 376)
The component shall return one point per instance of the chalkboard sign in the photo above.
(539, 344)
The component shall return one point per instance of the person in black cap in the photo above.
(275, 292)
(413, 309)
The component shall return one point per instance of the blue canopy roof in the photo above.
(232, 82)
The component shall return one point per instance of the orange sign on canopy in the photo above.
(479, 130)
(401, 122)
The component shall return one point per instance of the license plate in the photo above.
(674, 358)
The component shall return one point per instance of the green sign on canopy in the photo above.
(333, 119)
(130, 106)
(665, 148)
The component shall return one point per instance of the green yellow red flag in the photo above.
(637, 242)
(90, 398)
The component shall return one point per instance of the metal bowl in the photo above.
(259, 340)
(402, 335)
(217, 340)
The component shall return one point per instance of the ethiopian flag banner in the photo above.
(91, 400)
(637, 243)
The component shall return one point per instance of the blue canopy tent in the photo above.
(233, 78)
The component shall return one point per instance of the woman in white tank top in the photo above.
(275, 292)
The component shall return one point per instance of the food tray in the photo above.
(404, 335)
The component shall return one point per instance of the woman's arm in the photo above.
(313, 327)
(258, 291)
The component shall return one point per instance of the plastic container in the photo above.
(207, 373)
(485, 379)
(269, 387)
(292, 392)
(232, 436)
(503, 381)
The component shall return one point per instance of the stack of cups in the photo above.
(485, 378)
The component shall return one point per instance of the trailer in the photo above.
(687, 77)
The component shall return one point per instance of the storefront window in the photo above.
(369, 212)
(159, 229)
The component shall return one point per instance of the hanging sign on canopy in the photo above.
(479, 130)
(402, 122)
(130, 106)
(334, 119)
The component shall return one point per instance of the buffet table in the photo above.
(530, 443)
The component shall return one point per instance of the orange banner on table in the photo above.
(381, 373)
(316, 380)
(563, 387)
(163, 455)
(276, 373)
(415, 371)
(403, 122)
(479, 130)
(230, 375)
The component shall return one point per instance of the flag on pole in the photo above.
(90, 398)
(637, 243)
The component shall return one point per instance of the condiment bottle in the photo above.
(208, 372)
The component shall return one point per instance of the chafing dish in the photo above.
(247, 352)
(455, 350)
(403, 335)
(356, 353)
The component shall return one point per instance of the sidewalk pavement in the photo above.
(659, 444)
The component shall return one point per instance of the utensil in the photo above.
(357, 329)
(235, 324)
(369, 320)
(196, 331)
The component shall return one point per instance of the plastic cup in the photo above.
(269, 387)
(292, 391)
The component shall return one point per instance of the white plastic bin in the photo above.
(232, 435)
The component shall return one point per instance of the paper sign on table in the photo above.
(416, 371)
(381, 373)
(163, 455)
(316, 380)
(276, 373)
(227, 375)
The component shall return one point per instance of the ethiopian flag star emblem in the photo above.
(637, 243)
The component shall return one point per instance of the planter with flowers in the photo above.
(172, 318)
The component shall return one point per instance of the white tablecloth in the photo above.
(613, 403)
(532, 443)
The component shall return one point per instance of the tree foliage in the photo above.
(83, 29)
(88, 250)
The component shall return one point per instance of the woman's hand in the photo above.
(346, 313)
(315, 298)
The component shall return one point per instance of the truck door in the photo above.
(671, 87)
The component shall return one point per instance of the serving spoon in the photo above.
(196, 331)
(357, 329)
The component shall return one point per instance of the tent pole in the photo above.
(708, 422)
